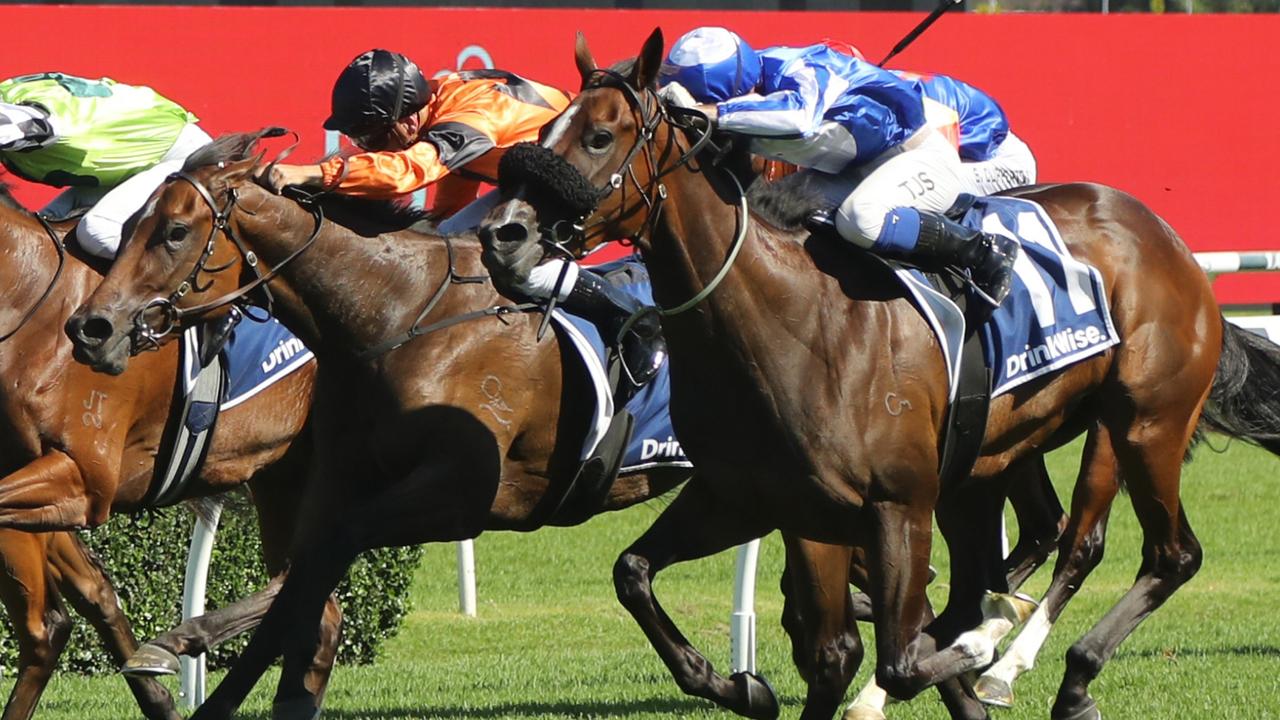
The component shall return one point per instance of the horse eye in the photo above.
(600, 140)
(177, 233)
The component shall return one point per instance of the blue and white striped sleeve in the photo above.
(24, 127)
(803, 93)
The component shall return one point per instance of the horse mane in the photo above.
(229, 148)
(787, 202)
(371, 215)
(364, 215)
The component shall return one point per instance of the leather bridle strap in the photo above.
(221, 222)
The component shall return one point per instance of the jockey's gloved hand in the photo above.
(277, 177)
(673, 93)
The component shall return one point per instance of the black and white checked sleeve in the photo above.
(24, 127)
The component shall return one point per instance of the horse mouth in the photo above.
(103, 351)
(111, 359)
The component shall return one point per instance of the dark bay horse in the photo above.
(811, 394)
(476, 426)
(76, 446)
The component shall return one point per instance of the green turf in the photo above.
(551, 642)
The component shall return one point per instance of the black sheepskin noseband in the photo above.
(548, 181)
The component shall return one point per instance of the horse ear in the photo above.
(648, 62)
(582, 56)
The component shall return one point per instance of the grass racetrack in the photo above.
(551, 641)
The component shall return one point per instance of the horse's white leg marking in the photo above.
(1021, 655)
(869, 704)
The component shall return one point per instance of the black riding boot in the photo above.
(989, 258)
(642, 348)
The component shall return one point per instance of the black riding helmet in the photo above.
(378, 88)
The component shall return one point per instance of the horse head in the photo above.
(182, 248)
(595, 175)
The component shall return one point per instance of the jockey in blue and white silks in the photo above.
(993, 156)
(844, 117)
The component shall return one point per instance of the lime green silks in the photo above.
(106, 131)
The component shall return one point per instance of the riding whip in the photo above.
(943, 6)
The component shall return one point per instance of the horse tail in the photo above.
(1244, 401)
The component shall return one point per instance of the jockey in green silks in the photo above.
(110, 144)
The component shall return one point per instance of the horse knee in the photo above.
(631, 579)
(43, 643)
(834, 663)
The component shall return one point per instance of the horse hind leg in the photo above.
(1079, 551)
(87, 588)
(1150, 455)
(1041, 521)
(695, 525)
(40, 620)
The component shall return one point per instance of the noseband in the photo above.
(147, 335)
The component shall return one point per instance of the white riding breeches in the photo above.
(924, 173)
(99, 230)
(1012, 166)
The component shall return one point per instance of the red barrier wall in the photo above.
(1174, 109)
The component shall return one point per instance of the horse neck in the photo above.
(353, 291)
(692, 240)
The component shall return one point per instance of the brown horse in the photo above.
(76, 446)
(811, 394)
(475, 426)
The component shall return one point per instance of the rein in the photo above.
(418, 330)
(655, 199)
(57, 273)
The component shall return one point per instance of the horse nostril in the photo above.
(95, 328)
(513, 233)
(485, 235)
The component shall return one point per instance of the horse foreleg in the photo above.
(696, 524)
(825, 643)
(38, 616)
(48, 494)
(1080, 551)
(85, 585)
(201, 634)
(1041, 521)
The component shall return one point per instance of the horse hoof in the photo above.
(762, 701)
(993, 691)
(862, 712)
(1087, 711)
(1015, 608)
(151, 661)
(300, 708)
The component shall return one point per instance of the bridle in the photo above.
(652, 112)
(147, 335)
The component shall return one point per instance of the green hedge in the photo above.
(146, 558)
